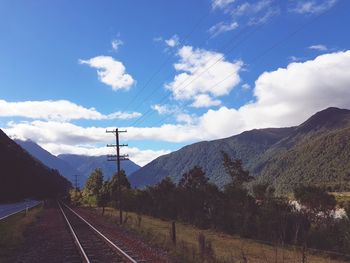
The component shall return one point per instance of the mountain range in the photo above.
(315, 152)
(70, 165)
(87, 164)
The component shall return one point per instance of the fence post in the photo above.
(173, 232)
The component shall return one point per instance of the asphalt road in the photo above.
(8, 209)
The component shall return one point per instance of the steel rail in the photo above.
(76, 240)
(119, 250)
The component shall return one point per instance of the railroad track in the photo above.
(93, 246)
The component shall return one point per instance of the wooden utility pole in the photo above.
(117, 158)
(76, 182)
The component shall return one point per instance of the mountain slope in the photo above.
(247, 146)
(87, 164)
(48, 159)
(316, 152)
(23, 176)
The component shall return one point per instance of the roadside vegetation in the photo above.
(12, 231)
(222, 248)
(241, 213)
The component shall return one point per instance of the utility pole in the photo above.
(76, 182)
(117, 158)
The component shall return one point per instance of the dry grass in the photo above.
(341, 196)
(227, 248)
(12, 230)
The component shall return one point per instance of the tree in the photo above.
(194, 197)
(193, 179)
(118, 180)
(164, 196)
(103, 196)
(263, 192)
(234, 168)
(92, 187)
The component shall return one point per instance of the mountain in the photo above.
(48, 159)
(23, 176)
(87, 164)
(315, 152)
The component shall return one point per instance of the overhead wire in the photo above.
(266, 51)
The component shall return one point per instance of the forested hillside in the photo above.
(23, 176)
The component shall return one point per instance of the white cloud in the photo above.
(164, 109)
(295, 59)
(116, 43)
(265, 17)
(318, 47)
(221, 3)
(312, 6)
(202, 72)
(185, 118)
(246, 86)
(57, 110)
(250, 8)
(204, 101)
(123, 115)
(247, 13)
(287, 96)
(222, 27)
(110, 71)
(173, 41)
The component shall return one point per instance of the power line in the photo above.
(259, 56)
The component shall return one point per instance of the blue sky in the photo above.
(170, 72)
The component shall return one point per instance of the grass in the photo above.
(341, 197)
(12, 230)
(227, 248)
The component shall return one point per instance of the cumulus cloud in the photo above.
(289, 95)
(173, 41)
(222, 27)
(318, 47)
(201, 72)
(58, 110)
(312, 6)
(116, 43)
(110, 72)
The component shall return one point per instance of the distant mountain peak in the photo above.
(330, 118)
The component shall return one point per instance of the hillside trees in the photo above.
(197, 197)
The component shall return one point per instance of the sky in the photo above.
(171, 73)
